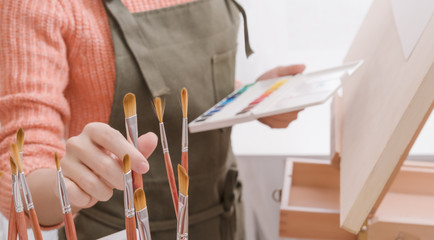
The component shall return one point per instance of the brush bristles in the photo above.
(56, 159)
(16, 156)
(159, 108)
(13, 166)
(183, 180)
(126, 163)
(139, 199)
(129, 105)
(20, 139)
(184, 100)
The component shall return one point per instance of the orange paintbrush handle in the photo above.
(172, 182)
(184, 160)
(137, 180)
(21, 225)
(70, 227)
(130, 228)
(12, 229)
(35, 225)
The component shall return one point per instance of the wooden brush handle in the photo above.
(172, 182)
(70, 227)
(12, 228)
(137, 180)
(184, 161)
(21, 225)
(35, 225)
(130, 228)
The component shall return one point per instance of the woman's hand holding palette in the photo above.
(274, 96)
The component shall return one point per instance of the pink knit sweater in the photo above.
(57, 73)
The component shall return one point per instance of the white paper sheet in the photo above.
(411, 18)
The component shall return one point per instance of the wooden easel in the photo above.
(384, 108)
(385, 104)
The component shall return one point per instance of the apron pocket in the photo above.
(223, 73)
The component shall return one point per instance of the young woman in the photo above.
(65, 67)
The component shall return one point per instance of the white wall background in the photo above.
(317, 33)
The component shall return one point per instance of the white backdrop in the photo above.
(317, 33)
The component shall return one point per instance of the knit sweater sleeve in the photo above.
(33, 77)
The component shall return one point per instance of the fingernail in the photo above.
(89, 201)
(144, 167)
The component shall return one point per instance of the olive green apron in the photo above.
(158, 52)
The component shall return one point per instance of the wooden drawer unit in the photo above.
(310, 201)
(407, 210)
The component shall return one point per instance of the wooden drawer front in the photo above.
(310, 201)
(407, 210)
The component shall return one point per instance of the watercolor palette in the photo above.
(274, 96)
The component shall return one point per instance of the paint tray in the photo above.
(274, 96)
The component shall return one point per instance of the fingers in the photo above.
(282, 71)
(280, 120)
(92, 166)
(82, 150)
(290, 70)
(147, 143)
(85, 180)
(103, 165)
(113, 141)
(276, 123)
(77, 197)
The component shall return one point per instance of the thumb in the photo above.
(147, 143)
(290, 70)
(282, 71)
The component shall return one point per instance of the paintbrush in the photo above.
(19, 219)
(12, 227)
(20, 142)
(159, 109)
(26, 193)
(184, 154)
(130, 223)
(182, 226)
(66, 207)
(142, 214)
(132, 131)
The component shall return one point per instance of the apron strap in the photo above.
(247, 47)
(229, 221)
(136, 42)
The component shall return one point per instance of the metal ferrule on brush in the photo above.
(66, 207)
(184, 135)
(128, 195)
(163, 139)
(26, 191)
(144, 230)
(16, 194)
(132, 131)
(182, 228)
